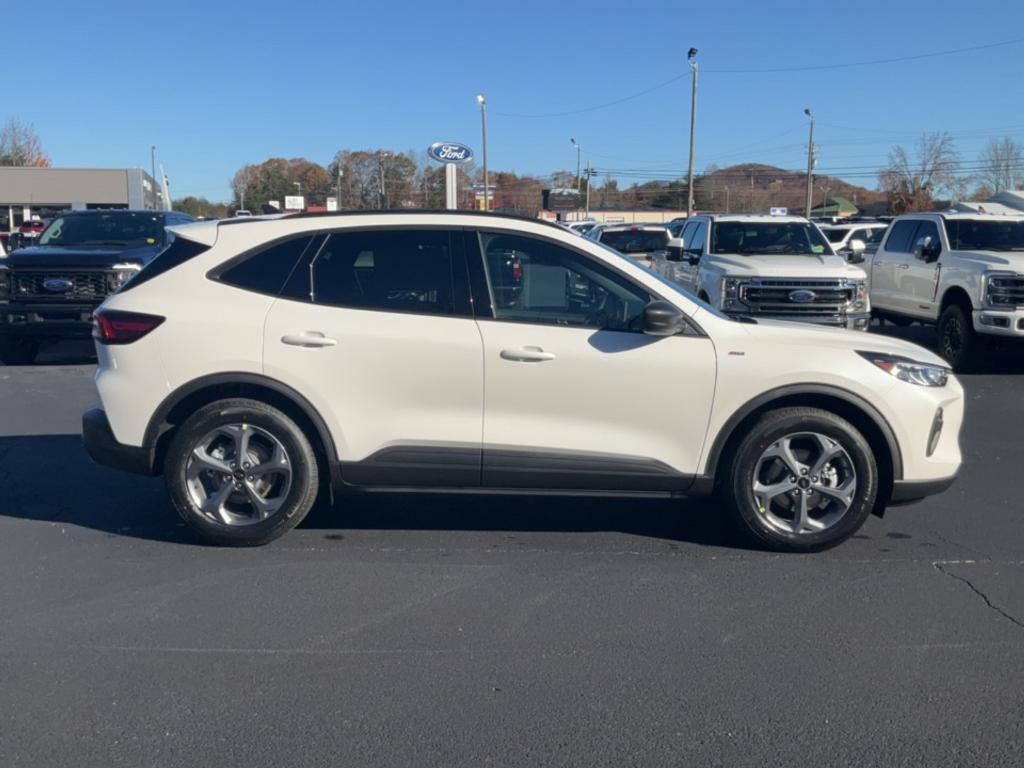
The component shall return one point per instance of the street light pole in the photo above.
(695, 68)
(152, 157)
(589, 174)
(483, 126)
(579, 149)
(810, 166)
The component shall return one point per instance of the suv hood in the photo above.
(43, 256)
(807, 336)
(992, 259)
(783, 265)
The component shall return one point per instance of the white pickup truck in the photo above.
(964, 272)
(766, 266)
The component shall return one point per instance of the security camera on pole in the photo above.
(451, 154)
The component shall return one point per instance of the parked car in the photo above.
(638, 241)
(963, 272)
(259, 363)
(31, 229)
(242, 213)
(767, 266)
(581, 227)
(51, 289)
(844, 238)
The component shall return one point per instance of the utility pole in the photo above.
(340, 172)
(810, 166)
(383, 190)
(695, 68)
(152, 156)
(726, 199)
(590, 173)
(578, 150)
(483, 126)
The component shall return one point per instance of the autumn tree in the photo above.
(20, 145)
(912, 184)
(277, 178)
(1002, 164)
(201, 208)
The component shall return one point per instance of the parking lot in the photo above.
(461, 630)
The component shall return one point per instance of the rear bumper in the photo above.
(908, 491)
(103, 448)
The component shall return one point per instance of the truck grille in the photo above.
(84, 286)
(822, 299)
(1006, 291)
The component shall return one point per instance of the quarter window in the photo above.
(389, 270)
(535, 281)
(266, 271)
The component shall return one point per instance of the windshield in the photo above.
(763, 238)
(976, 235)
(834, 235)
(121, 229)
(636, 240)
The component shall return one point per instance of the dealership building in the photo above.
(42, 193)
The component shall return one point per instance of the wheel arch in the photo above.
(855, 409)
(188, 398)
(956, 294)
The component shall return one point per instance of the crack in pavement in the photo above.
(938, 565)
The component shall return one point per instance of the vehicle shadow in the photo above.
(50, 478)
(1006, 356)
(79, 352)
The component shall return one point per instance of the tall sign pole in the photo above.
(452, 155)
(810, 166)
(483, 125)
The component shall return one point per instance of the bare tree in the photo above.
(1002, 164)
(913, 184)
(244, 179)
(20, 145)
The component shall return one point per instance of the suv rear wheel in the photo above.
(802, 480)
(241, 473)
(15, 351)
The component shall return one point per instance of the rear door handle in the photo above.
(527, 355)
(308, 339)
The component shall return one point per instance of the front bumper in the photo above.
(103, 448)
(1000, 322)
(856, 321)
(58, 321)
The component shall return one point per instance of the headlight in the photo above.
(910, 371)
(1002, 290)
(860, 294)
(731, 293)
(122, 274)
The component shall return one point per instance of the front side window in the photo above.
(901, 234)
(790, 238)
(388, 270)
(927, 232)
(697, 238)
(979, 235)
(535, 281)
(117, 229)
(873, 236)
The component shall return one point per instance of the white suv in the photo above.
(766, 266)
(257, 363)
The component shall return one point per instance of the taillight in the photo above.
(113, 327)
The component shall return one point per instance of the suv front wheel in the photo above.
(802, 480)
(241, 473)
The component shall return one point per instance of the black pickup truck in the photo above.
(48, 292)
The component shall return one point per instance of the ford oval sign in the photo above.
(58, 285)
(450, 152)
(802, 296)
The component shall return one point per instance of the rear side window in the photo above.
(174, 255)
(387, 270)
(900, 235)
(266, 270)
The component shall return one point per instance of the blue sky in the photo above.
(217, 85)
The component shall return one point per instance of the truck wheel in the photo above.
(15, 351)
(801, 480)
(241, 473)
(962, 347)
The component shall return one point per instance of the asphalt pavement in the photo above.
(402, 630)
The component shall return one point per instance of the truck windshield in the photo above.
(118, 229)
(977, 235)
(768, 238)
(636, 240)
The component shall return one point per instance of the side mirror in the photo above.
(663, 319)
(855, 251)
(927, 250)
(675, 249)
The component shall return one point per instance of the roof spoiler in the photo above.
(202, 232)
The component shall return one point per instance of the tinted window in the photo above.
(266, 271)
(687, 231)
(927, 229)
(698, 237)
(177, 253)
(636, 240)
(900, 234)
(765, 238)
(534, 281)
(874, 236)
(397, 271)
(836, 235)
(115, 230)
(977, 235)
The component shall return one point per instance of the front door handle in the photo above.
(308, 339)
(902, 266)
(527, 355)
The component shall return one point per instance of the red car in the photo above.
(32, 228)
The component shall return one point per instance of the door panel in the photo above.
(920, 278)
(884, 266)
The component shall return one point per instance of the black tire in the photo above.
(959, 344)
(772, 427)
(297, 500)
(18, 351)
